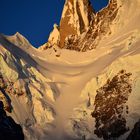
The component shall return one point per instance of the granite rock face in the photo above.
(76, 18)
(110, 106)
(81, 28)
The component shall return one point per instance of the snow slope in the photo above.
(59, 85)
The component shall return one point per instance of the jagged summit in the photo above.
(76, 18)
(54, 38)
(80, 27)
(17, 39)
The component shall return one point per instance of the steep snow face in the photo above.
(61, 88)
(110, 100)
(27, 95)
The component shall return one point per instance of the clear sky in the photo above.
(34, 18)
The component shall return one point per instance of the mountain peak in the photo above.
(78, 21)
(76, 18)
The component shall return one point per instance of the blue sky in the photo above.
(34, 18)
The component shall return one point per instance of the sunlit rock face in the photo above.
(76, 18)
(84, 83)
(100, 26)
(81, 28)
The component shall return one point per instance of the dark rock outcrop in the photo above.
(135, 133)
(110, 106)
(9, 130)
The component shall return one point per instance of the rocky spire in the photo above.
(76, 18)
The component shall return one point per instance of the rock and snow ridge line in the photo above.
(80, 22)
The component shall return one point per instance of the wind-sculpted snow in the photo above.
(24, 90)
(59, 85)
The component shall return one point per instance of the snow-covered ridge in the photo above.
(77, 36)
